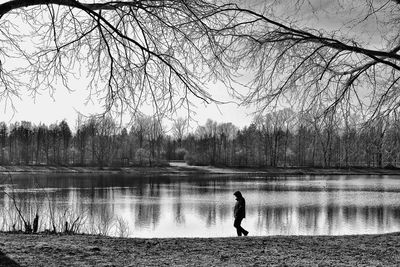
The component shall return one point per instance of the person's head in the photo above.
(237, 194)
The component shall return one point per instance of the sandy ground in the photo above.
(82, 250)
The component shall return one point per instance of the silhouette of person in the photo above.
(239, 213)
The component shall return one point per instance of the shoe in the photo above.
(246, 233)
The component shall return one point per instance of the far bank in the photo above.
(181, 167)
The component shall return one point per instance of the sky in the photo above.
(66, 105)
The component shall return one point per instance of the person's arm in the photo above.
(239, 208)
(236, 210)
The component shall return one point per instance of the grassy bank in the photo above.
(81, 250)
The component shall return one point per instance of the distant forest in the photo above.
(278, 139)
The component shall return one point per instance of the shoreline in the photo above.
(183, 168)
(89, 250)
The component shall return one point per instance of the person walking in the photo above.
(239, 213)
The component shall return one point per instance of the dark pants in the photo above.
(239, 228)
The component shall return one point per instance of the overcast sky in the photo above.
(66, 105)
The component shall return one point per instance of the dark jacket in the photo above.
(240, 207)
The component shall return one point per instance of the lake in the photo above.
(202, 205)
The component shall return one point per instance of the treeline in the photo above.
(278, 139)
(97, 141)
(285, 138)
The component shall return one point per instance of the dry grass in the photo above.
(83, 250)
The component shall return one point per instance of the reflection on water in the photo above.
(203, 206)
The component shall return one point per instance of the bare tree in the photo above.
(227, 133)
(66, 136)
(155, 137)
(164, 53)
(141, 129)
(179, 127)
(134, 52)
(81, 139)
(105, 141)
(3, 139)
(300, 62)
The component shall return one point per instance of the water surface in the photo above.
(202, 205)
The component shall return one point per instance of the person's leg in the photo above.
(239, 228)
(245, 233)
(236, 224)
